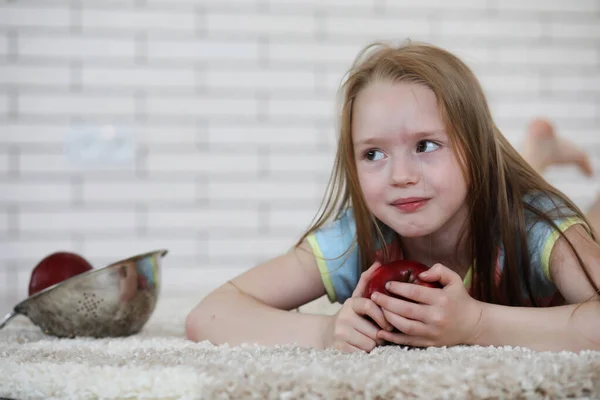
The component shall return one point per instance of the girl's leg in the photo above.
(543, 147)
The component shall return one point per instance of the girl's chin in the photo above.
(413, 232)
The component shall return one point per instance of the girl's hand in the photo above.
(439, 317)
(349, 330)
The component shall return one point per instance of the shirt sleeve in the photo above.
(334, 246)
(542, 236)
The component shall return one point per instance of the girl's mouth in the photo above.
(410, 205)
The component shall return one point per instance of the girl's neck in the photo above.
(441, 246)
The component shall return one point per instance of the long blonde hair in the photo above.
(497, 176)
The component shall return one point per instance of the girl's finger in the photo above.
(369, 330)
(367, 307)
(403, 339)
(444, 275)
(360, 340)
(348, 348)
(405, 325)
(364, 279)
(420, 294)
(407, 309)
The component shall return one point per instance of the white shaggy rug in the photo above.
(159, 363)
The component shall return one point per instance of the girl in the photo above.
(423, 173)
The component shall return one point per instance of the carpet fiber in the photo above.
(159, 363)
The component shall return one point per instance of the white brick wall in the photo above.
(232, 105)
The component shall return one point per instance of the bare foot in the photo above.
(543, 148)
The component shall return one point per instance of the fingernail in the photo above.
(388, 285)
(374, 296)
(424, 274)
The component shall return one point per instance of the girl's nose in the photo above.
(405, 170)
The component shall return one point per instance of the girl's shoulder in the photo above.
(542, 235)
(550, 205)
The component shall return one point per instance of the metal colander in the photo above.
(116, 300)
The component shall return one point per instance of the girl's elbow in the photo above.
(193, 325)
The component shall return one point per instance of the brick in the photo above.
(4, 161)
(262, 134)
(40, 163)
(155, 20)
(21, 282)
(3, 45)
(4, 222)
(21, 132)
(201, 50)
(510, 83)
(140, 77)
(490, 28)
(314, 108)
(575, 83)
(190, 281)
(172, 134)
(62, 222)
(200, 106)
(8, 297)
(60, 46)
(587, 137)
(201, 162)
(29, 252)
(574, 29)
(547, 55)
(38, 17)
(347, 6)
(262, 191)
(4, 104)
(35, 192)
(556, 109)
(234, 5)
(583, 189)
(462, 5)
(20, 74)
(471, 54)
(75, 105)
(548, 6)
(136, 191)
(260, 24)
(300, 162)
(202, 219)
(332, 80)
(111, 3)
(313, 53)
(122, 248)
(378, 27)
(263, 79)
(295, 221)
(256, 248)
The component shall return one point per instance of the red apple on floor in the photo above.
(56, 268)
(402, 271)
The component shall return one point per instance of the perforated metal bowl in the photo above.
(116, 300)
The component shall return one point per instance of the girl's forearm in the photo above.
(228, 316)
(572, 327)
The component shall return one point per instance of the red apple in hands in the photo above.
(56, 268)
(402, 271)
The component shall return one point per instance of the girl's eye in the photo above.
(426, 146)
(373, 155)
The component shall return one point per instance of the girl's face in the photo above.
(408, 171)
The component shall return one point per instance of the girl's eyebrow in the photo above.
(415, 135)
